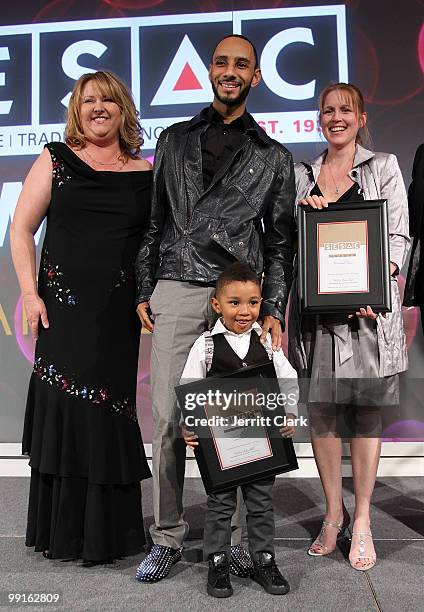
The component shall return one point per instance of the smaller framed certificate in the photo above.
(344, 257)
(237, 419)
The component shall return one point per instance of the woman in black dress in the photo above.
(81, 431)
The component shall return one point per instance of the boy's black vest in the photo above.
(226, 360)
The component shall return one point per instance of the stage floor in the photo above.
(395, 584)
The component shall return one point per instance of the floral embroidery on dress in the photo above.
(55, 281)
(96, 395)
(59, 174)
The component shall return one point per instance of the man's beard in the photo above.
(231, 101)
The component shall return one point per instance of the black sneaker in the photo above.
(219, 584)
(267, 574)
(158, 563)
(240, 562)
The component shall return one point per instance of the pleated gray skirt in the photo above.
(343, 362)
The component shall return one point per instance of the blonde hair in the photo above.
(356, 98)
(110, 86)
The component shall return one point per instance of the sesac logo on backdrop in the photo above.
(165, 60)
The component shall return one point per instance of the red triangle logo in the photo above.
(187, 80)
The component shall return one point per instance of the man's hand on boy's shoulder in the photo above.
(273, 325)
(289, 429)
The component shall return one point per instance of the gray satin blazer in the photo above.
(379, 177)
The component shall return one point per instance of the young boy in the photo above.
(234, 343)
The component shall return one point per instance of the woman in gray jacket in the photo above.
(352, 361)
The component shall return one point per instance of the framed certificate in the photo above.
(237, 419)
(344, 257)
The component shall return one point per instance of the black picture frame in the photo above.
(214, 477)
(378, 295)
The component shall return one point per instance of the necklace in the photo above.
(114, 163)
(337, 186)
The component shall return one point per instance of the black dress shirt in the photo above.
(220, 141)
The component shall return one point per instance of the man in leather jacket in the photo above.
(223, 191)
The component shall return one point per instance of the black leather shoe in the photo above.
(240, 562)
(267, 574)
(219, 584)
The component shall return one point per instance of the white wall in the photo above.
(397, 459)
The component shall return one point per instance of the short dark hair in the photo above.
(237, 271)
(244, 38)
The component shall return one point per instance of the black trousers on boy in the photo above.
(260, 519)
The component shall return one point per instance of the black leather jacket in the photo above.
(246, 214)
(414, 287)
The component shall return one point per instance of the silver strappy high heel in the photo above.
(341, 528)
(362, 552)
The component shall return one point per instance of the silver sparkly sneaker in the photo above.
(158, 563)
(240, 562)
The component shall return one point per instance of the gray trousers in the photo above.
(181, 311)
(260, 519)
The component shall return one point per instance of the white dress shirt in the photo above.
(195, 366)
